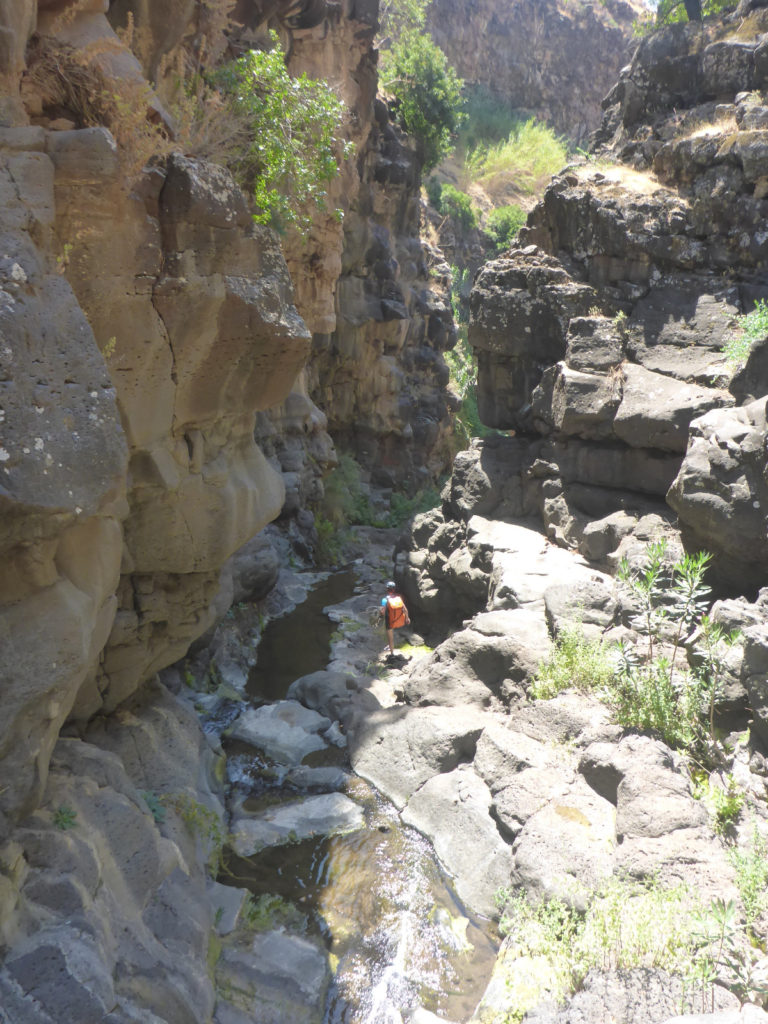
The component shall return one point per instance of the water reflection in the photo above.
(298, 643)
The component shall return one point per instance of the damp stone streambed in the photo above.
(396, 935)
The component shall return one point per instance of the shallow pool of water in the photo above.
(298, 643)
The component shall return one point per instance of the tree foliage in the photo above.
(458, 206)
(399, 16)
(670, 11)
(295, 147)
(426, 93)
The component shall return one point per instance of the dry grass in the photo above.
(70, 83)
(618, 178)
(206, 123)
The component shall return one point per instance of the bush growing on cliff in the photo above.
(426, 93)
(458, 206)
(503, 225)
(295, 147)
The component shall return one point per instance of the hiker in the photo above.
(395, 614)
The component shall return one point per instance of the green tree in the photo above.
(295, 146)
(426, 93)
(503, 224)
(458, 206)
(398, 16)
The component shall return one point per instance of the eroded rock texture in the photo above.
(145, 325)
(381, 376)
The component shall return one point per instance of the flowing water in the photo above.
(396, 934)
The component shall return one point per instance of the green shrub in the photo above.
(723, 803)
(434, 191)
(426, 93)
(527, 158)
(754, 327)
(402, 508)
(659, 695)
(651, 699)
(626, 925)
(575, 663)
(503, 225)
(458, 206)
(295, 147)
(346, 501)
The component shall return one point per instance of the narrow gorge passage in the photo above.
(375, 898)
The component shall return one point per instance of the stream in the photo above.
(396, 934)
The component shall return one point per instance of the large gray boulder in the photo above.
(453, 811)
(398, 749)
(486, 665)
(721, 492)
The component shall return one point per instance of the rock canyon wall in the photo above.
(516, 51)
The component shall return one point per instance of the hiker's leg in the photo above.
(391, 639)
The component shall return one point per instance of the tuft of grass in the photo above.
(754, 327)
(751, 867)
(575, 663)
(626, 925)
(527, 158)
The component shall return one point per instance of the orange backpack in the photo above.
(395, 612)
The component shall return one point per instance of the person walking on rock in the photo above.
(395, 614)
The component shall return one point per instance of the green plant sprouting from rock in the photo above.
(577, 662)
(753, 327)
(295, 144)
(201, 822)
(64, 817)
(656, 692)
(626, 925)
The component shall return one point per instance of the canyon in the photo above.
(175, 378)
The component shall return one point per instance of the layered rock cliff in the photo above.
(555, 59)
